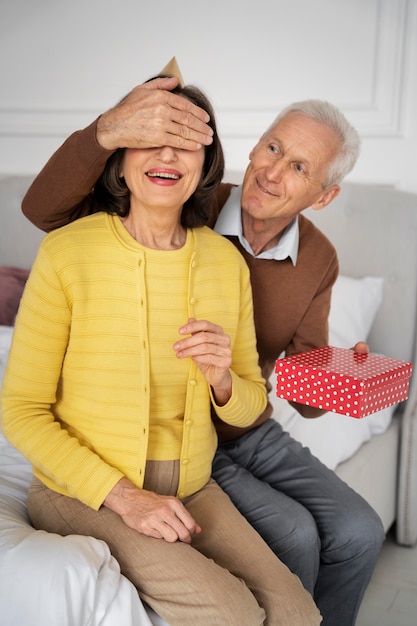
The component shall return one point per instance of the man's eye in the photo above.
(273, 148)
(300, 169)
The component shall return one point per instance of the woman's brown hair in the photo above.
(112, 195)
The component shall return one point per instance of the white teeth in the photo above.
(163, 175)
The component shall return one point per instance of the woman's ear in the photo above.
(327, 196)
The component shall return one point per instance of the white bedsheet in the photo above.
(49, 580)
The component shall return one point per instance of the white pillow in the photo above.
(332, 438)
(335, 438)
(354, 305)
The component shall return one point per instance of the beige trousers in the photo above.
(228, 576)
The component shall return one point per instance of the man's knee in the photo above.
(359, 535)
(368, 536)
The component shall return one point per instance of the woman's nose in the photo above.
(167, 154)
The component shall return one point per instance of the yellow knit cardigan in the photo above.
(75, 398)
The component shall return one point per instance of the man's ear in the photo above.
(255, 147)
(327, 196)
(252, 152)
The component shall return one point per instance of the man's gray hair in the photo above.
(328, 114)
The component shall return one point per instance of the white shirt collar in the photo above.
(229, 222)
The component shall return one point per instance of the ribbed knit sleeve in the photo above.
(29, 389)
(61, 192)
(248, 387)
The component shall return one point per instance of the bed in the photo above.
(74, 581)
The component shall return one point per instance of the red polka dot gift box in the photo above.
(342, 381)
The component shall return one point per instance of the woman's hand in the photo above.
(161, 517)
(209, 347)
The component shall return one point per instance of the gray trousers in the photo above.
(320, 528)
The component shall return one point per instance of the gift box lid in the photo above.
(343, 381)
(372, 368)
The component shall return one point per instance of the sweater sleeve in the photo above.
(62, 190)
(249, 397)
(313, 331)
(29, 391)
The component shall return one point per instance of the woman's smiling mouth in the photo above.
(164, 175)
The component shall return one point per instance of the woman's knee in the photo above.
(223, 601)
(237, 608)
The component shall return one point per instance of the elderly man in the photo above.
(322, 530)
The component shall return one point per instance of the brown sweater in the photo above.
(291, 304)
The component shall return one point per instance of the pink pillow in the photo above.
(12, 284)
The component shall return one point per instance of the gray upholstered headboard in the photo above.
(374, 230)
(19, 239)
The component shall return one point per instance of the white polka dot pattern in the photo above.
(343, 381)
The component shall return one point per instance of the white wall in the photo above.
(62, 63)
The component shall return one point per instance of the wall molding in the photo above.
(43, 122)
(381, 116)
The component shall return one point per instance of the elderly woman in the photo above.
(128, 336)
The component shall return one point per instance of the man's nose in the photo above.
(275, 170)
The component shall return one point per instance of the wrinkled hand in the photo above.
(209, 347)
(151, 116)
(161, 517)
